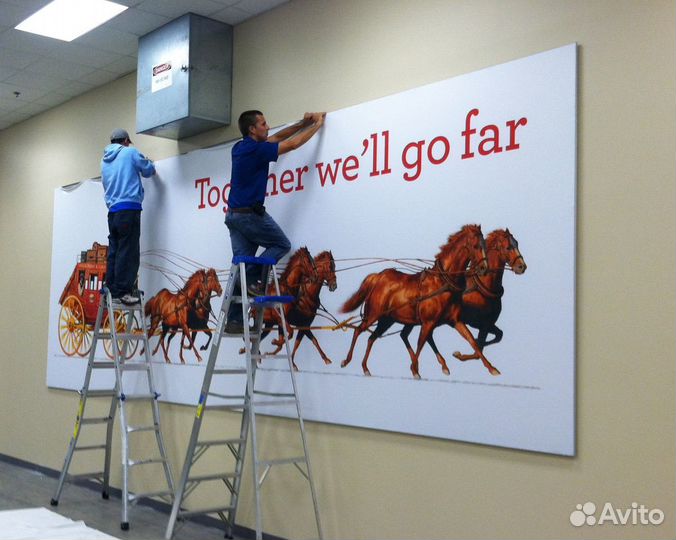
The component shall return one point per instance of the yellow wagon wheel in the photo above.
(72, 326)
(86, 343)
(121, 328)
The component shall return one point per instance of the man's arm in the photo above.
(302, 133)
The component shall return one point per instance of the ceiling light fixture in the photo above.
(69, 19)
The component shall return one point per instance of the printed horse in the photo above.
(424, 298)
(198, 316)
(171, 309)
(482, 299)
(301, 312)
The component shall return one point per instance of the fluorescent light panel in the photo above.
(69, 19)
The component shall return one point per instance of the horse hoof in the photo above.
(327, 361)
(495, 371)
(344, 363)
(416, 376)
(446, 371)
(457, 355)
(367, 373)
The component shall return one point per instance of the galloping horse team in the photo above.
(463, 288)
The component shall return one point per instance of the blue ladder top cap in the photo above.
(272, 299)
(253, 260)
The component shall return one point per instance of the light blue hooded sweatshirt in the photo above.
(120, 169)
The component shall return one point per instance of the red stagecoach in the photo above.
(80, 303)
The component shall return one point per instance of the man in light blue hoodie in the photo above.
(123, 192)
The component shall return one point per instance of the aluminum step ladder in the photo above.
(120, 340)
(247, 402)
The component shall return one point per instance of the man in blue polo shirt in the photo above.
(249, 224)
(123, 192)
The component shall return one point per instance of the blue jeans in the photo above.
(248, 232)
(124, 229)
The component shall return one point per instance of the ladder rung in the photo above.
(226, 396)
(252, 335)
(219, 442)
(82, 476)
(270, 402)
(121, 336)
(135, 366)
(275, 394)
(103, 365)
(148, 461)
(89, 447)
(119, 306)
(208, 477)
(132, 429)
(225, 407)
(163, 493)
(99, 393)
(98, 420)
(215, 510)
(229, 371)
(137, 397)
(283, 461)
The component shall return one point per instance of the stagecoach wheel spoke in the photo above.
(135, 329)
(72, 325)
(85, 342)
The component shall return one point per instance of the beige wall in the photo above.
(310, 55)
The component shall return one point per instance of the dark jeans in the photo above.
(124, 229)
(248, 232)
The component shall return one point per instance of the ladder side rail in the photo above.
(152, 390)
(80, 412)
(181, 492)
(292, 371)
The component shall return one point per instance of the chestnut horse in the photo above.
(424, 298)
(198, 316)
(171, 309)
(303, 310)
(482, 298)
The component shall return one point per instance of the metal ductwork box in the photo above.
(184, 78)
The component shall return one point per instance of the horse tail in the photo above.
(357, 299)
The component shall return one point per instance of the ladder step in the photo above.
(137, 496)
(120, 336)
(98, 420)
(283, 461)
(89, 447)
(138, 397)
(214, 510)
(135, 366)
(133, 463)
(103, 365)
(229, 371)
(270, 402)
(208, 477)
(219, 442)
(275, 394)
(133, 429)
(84, 476)
(226, 396)
(272, 300)
(228, 407)
(99, 393)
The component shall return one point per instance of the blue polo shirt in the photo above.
(249, 178)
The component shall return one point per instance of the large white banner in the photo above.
(384, 185)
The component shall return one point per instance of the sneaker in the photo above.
(256, 289)
(129, 299)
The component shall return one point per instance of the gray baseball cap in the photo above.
(119, 133)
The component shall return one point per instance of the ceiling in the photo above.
(38, 73)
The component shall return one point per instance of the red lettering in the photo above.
(513, 125)
(285, 180)
(350, 164)
(469, 131)
(274, 191)
(446, 150)
(200, 183)
(416, 164)
(299, 172)
(494, 140)
(328, 172)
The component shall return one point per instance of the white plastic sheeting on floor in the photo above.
(43, 524)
